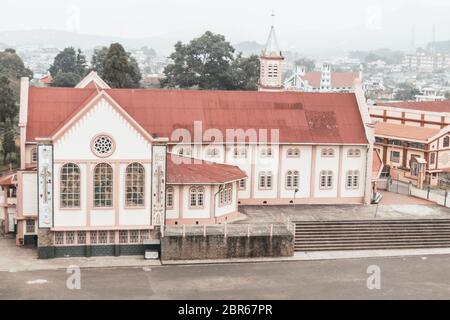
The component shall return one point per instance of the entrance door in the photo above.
(11, 222)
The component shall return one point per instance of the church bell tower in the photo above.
(271, 59)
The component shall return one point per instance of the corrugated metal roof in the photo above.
(432, 106)
(299, 117)
(193, 171)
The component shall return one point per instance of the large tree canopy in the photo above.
(13, 68)
(117, 67)
(68, 68)
(208, 62)
(8, 106)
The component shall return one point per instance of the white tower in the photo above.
(270, 78)
(325, 80)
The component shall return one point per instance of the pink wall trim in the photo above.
(212, 200)
(116, 202)
(191, 221)
(339, 181)
(280, 171)
(180, 201)
(89, 196)
(350, 200)
(101, 228)
(252, 177)
(312, 182)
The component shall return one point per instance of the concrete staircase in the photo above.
(371, 235)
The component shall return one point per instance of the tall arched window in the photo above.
(103, 186)
(134, 185)
(226, 195)
(70, 186)
(196, 197)
(352, 179)
(326, 179)
(34, 155)
(292, 179)
(169, 197)
(265, 180)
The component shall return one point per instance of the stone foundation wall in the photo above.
(191, 247)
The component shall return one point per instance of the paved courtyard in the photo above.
(394, 207)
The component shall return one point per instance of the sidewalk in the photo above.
(15, 259)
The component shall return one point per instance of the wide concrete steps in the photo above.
(371, 235)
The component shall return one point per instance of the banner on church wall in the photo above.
(159, 154)
(45, 186)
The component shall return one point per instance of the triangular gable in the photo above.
(72, 120)
(93, 79)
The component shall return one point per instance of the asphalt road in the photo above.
(405, 278)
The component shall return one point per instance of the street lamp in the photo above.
(295, 192)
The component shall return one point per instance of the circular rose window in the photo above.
(103, 145)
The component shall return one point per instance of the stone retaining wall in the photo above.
(191, 247)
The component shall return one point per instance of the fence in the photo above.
(283, 226)
(441, 197)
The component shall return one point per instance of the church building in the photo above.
(103, 166)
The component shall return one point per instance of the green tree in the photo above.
(13, 68)
(8, 139)
(98, 60)
(117, 67)
(205, 62)
(245, 72)
(8, 105)
(406, 92)
(68, 68)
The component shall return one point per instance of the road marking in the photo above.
(38, 281)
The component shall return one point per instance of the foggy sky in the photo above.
(238, 19)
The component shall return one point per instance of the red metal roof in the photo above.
(198, 171)
(299, 117)
(8, 180)
(431, 106)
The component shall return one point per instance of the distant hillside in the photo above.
(248, 47)
(61, 39)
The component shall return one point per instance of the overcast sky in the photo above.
(237, 19)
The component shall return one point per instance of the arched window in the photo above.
(212, 152)
(446, 142)
(34, 155)
(70, 186)
(134, 185)
(169, 197)
(354, 153)
(196, 197)
(292, 179)
(184, 151)
(266, 152)
(326, 179)
(226, 195)
(293, 153)
(242, 184)
(265, 180)
(240, 152)
(352, 181)
(327, 152)
(103, 186)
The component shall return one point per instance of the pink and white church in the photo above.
(103, 167)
